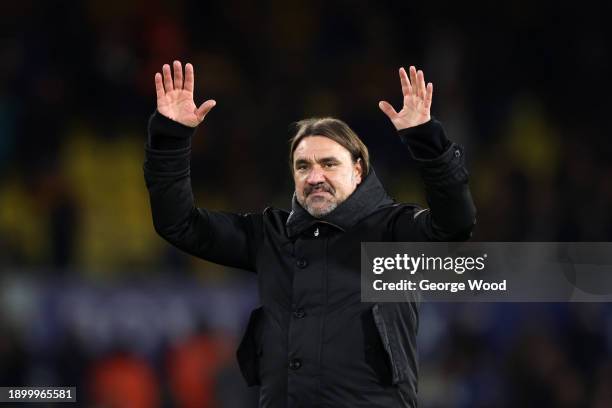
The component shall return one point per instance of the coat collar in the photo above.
(367, 197)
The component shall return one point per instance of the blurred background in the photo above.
(90, 296)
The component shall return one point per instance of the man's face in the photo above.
(324, 174)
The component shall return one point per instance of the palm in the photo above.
(175, 96)
(417, 101)
(413, 112)
(178, 105)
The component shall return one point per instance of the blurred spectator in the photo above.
(194, 366)
(123, 381)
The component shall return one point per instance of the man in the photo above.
(313, 343)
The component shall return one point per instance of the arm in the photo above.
(219, 237)
(451, 214)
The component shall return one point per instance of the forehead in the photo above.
(320, 146)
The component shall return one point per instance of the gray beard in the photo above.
(321, 212)
(318, 212)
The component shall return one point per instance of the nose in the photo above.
(316, 175)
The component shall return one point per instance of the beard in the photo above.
(318, 206)
(320, 210)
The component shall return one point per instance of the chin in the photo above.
(321, 210)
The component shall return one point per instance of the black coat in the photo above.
(313, 343)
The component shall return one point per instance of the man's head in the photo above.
(328, 161)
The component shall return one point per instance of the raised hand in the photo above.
(175, 96)
(417, 101)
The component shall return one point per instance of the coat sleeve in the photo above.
(220, 237)
(451, 215)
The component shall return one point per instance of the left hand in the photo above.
(417, 101)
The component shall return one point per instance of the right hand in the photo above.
(175, 98)
(417, 101)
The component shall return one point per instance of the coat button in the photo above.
(295, 363)
(457, 153)
(299, 313)
(301, 263)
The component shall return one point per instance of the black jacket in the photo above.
(313, 343)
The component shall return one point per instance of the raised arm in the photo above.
(451, 214)
(224, 238)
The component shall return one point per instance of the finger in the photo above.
(189, 78)
(167, 78)
(429, 95)
(421, 84)
(413, 80)
(406, 87)
(203, 110)
(159, 85)
(178, 75)
(387, 109)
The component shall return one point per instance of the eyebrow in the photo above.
(330, 159)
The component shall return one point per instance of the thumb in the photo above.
(204, 108)
(387, 109)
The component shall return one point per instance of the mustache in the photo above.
(320, 187)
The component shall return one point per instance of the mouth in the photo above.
(318, 192)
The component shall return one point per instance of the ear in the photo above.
(358, 170)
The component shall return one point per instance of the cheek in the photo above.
(299, 185)
(349, 183)
(341, 184)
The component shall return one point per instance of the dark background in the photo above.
(91, 297)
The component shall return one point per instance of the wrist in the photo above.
(412, 124)
(168, 134)
(425, 141)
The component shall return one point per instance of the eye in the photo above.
(329, 165)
